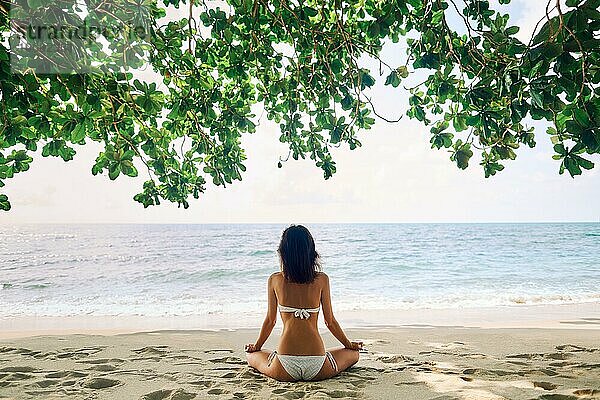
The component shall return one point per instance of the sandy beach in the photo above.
(417, 362)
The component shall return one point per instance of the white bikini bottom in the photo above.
(303, 368)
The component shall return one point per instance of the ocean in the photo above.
(196, 270)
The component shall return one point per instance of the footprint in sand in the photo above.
(101, 383)
(20, 350)
(73, 353)
(228, 360)
(545, 385)
(362, 373)
(409, 383)
(181, 357)
(202, 383)
(217, 391)
(339, 394)
(65, 374)
(169, 394)
(370, 342)
(514, 362)
(561, 364)
(503, 372)
(18, 376)
(213, 351)
(543, 356)
(358, 383)
(230, 369)
(152, 350)
(288, 394)
(253, 376)
(527, 356)
(102, 361)
(252, 386)
(586, 392)
(103, 367)
(574, 349)
(548, 371)
(394, 358)
(45, 383)
(150, 353)
(18, 369)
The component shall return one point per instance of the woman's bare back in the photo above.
(299, 336)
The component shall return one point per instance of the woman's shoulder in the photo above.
(275, 276)
(322, 276)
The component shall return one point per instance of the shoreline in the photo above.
(556, 316)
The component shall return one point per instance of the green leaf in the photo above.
(537, 98)
(586, 164)
(572, 166)
(311, 12)
(552, 50)
(366, 80)
(560, 149)
(36, 3)
(463, 155)
(114, 170)
(437, 17)
(549, 27)
(393, 79)
(581, 117)
(128, 168)
(336, 66)
(402, 71)
(4, 203)
(78, 133)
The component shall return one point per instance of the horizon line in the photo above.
(307, 222)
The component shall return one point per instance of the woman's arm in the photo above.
(270, 319)
(331, 322)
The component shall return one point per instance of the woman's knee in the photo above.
(254, 360)
(250, 359)
(355, 355)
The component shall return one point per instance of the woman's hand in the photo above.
(355, 346)
(251, 348)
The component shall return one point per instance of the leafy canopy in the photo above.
(298, 63)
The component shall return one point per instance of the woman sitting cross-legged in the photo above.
(299, 290)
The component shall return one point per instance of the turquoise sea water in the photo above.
(159, 270)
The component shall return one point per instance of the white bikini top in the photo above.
(302, 313)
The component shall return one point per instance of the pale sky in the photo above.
(394, 177)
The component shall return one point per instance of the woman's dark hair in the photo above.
(300, 261)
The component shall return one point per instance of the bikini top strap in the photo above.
(302, 313)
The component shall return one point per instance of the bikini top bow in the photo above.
(302, 313)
